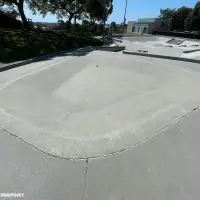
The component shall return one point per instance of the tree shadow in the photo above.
(76, 52)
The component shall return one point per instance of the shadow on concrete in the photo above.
(70, 52)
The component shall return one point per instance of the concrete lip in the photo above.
(96, 105)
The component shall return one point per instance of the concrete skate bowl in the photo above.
(89, 107)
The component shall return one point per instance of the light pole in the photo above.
(124, 17)
(104, 20)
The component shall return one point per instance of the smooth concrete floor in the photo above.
(163, 164)
(158, 45)
(163, 167)
(90, 107)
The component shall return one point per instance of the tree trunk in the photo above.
(75, 23)
(20, 6)
(71, 16)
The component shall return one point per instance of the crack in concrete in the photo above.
(85, 185)
(112, 153)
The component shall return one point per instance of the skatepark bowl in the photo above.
(96, 105)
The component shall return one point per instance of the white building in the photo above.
(148, 25)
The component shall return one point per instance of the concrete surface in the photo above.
(160, 46)
(90, 107)
(153, 47)
(159, 99)
(146, 54)
(37, 175)
(164, 167)
(144, 38)
(57, 55)
(6, 66)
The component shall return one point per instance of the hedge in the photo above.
(18, 45)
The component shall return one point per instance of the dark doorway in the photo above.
(145, 29)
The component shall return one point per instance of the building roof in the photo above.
(142, 23)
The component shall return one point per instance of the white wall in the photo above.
(151, 28)
(130, 26)
(141, 27)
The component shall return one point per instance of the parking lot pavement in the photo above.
(132, 131)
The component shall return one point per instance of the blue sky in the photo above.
(136, 9)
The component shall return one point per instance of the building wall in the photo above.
(130, 26)
(162, 25)
(151, 20)
(140, 28)
(152, 25)
(151, 28)
(147, 28)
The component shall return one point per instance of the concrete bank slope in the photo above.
(96, 105)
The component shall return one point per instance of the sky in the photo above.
(135, 9)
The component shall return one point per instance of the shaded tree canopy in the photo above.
(113, 25)
(62, 8)
(99, 9)
(195, 21)
(20, 6)
(72, 8)
(8, 16)
(179, 17)
(9, 10)
(166, 13)
(188, 21)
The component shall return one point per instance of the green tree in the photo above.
(72, 9)
(99, 9)
(179, 17)
(188, 22)
(61, 24)
(166, 13)
(113, 25)
(20, 6)
(85, 23)
(62, 8)
(8, 16)
(195, 24)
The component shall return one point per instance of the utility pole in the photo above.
(104, 20)
(124, 18)
(75, 16)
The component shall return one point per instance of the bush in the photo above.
(18, 44)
